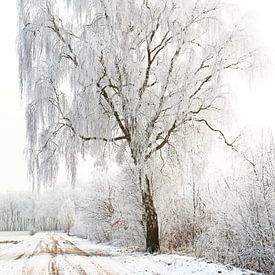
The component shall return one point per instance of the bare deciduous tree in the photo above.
(126, 74)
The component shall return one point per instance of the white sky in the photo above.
(12, 133)
(255, 107)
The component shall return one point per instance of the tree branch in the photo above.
(230, 144)
(164, 142)
(56, 29)
(206, 79)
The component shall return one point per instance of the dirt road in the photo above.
(50, 254)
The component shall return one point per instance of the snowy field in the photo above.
(13, 235)
(58, 254)
(9, 239)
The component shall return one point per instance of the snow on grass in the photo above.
(115, 260)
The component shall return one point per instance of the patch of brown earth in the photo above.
(53, 248)
(13, 242)
(53, 269)
(19, 257)
(72, 249)
(76, 251)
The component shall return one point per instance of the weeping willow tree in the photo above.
(126, 74)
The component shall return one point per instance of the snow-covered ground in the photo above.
(13, 235)
(56, 254)
(9, 239)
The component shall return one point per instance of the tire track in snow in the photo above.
(58, 248)
(81, 252)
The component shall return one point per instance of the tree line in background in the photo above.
(25, 212)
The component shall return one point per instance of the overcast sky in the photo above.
(12, 133)
(255, 107)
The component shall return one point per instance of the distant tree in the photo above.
(15, 211)
(67, 215)
(129, 74)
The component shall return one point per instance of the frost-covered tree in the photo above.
(109, 208)
(242, 224)
(123, 76)
(67, 215)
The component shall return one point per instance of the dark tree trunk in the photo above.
(152, 230)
